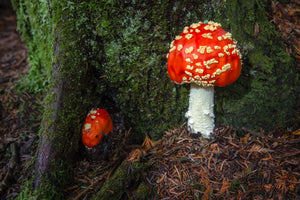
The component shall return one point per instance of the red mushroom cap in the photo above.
(204, 54)
(96, 124)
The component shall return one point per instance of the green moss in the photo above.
(36, 28)
(266, 93)
(235, 185)
(143, 191)
(124, 177)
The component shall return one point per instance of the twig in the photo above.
(89, 187)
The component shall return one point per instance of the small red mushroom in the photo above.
(204, 55)
(96, 124)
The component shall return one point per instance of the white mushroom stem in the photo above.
(201, 110)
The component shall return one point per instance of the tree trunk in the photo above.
(61, 125)
(53, 141)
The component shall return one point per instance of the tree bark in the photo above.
(48, 150)
(62, 120)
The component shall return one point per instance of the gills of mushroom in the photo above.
(204, 55)
(96, 124)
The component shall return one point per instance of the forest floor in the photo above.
(19, 111)
(258, 165)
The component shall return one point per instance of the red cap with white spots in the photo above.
(96, 124)
(204, 54)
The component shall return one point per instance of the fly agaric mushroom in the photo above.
(205, 56)
(97, 123)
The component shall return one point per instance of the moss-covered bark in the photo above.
(265, 96)
(64, 111)
(125, 178)
(70, 82)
